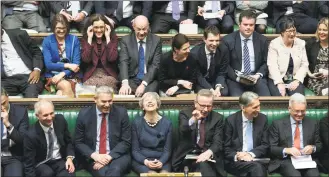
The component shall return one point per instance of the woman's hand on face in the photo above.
(90, 31)
(107, 30)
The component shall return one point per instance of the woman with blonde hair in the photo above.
(317, 54)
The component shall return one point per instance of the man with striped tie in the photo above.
(293, 136)
(247, 56)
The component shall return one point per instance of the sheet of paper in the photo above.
(262, 15)
(188, 28)
(303, 162)
(211, 15)
(194, 157)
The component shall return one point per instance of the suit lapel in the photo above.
(112, 125)
(93, 125)
(288, 131)
(68, 44)
(239, 127)
(238, 49)
(203, 57)
(255, 130)
(57, 129)
(256, 44)
(42, 137)
(54, 47)
(134, 47)
(305, 133)
(148, 49)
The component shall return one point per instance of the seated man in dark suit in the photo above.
(14, 125)
(138, 66)
(122, 13)
(200, 133)
(248, 55)
(324, 134)
(21, 64)
(212, 62)
(48, 149)
(294, 135)
(246, 138)
(169, 14)
(103, 136)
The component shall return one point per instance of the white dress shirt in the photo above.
(56, 154)
(208, 6)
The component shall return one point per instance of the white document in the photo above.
(188, 28)
(210, 15)
(262, 15)
(303, 162)
(194, 157)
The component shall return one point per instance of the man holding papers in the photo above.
(294, 136)
(246, 138)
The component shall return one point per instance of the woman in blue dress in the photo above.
(151, 138)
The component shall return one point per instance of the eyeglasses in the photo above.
(202, 106)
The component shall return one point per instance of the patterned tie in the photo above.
(141, 60)
(51, 143)
(214, 6)
(246, 57)
(297, 137)
(210, 63)
(102, 139)
(250, 143)
(202, 134)
(175, 10)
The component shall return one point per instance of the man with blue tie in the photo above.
(293, 136)
(14, 125)
(248, 57)
(139, 59)
(246, 138)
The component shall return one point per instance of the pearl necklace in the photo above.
(152, 124)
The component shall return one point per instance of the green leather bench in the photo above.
(172, 115)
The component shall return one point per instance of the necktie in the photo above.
(175, 10)
(141, 61)
(214, 6)
(102, 139)
(246, 57)
(210, 63)
(297, 137)
(202, 134)
(119, 14)
(250, 143)
(51, 143)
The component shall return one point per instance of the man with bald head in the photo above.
(139, 59)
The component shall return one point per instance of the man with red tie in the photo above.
(294, 135)
(103, 136)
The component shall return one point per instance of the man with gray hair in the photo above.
(294, 135)
(103, 136)
(246, 138)
(48, 149)
(201, 133)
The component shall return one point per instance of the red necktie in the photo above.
(102, 138)
(297, 137)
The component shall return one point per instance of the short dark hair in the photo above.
(59, 18)
(178, 41)
(248, 14)
(91, 20)
(4, 92)
(211, 29)
(285, 24)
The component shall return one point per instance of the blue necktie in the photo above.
(250, 145)
(175, 9)
(141, 60)
(246, 58)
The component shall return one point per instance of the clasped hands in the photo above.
(100, 160)
(153, 164)
(295, 152)
(244, 156)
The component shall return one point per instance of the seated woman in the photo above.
(324, 159)
(178, 68)
(151, 138)
(99, 52)
(318, 58)
(61, 52)
(287, 61)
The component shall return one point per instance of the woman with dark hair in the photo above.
(318, 57)
(61, 52)
(99, 52)
(151, 138)
(178, 69)
(287, 61)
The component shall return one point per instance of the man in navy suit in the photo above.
(103, 136)
(14, 125)
(48, 149)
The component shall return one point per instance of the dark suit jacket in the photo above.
(323, 9)
(232, 43)
(128, 61)
(187, 138)
(35, 144)
(18, 117)
(190, 7)
(108, 57)
(217, 70)
(312, 51)
(228, 6)
(139, 8)
(234, 136)
(29, 52)
(280, 8)
(57, 6)
(280, 137)
(119, 134)
(324, 134)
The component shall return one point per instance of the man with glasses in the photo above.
(293, 136)
(201, 134)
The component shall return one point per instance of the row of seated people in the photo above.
(107, 145)
(241, 61)
(164, 15)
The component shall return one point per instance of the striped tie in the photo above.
(246, 58)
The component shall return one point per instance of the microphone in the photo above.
(186, 171)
